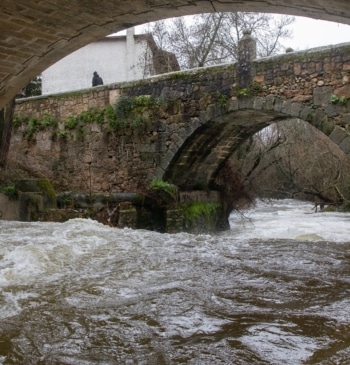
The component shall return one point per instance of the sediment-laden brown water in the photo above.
(83, 293)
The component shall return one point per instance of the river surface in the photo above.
(275, 289)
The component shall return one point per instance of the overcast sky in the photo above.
(310, 33)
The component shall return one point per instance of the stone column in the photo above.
(246, 54)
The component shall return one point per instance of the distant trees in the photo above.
(294, 159)
(33, 88)
(209, 39)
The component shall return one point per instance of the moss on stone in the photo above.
(201, 216)
(47, 189)
(42, 186)
(10, 191)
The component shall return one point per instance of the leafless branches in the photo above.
(210, 39)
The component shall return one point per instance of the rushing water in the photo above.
(273, 290)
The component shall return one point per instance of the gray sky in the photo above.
(310, 33)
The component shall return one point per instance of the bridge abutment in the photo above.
(191, 211)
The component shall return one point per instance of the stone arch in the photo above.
(210, 142)
(200, 157)
(36, 35)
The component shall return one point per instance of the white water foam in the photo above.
(290, 219)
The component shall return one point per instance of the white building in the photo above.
(115, 58)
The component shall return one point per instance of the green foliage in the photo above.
(143, 101)
(93, 115)
(256, 87)
(222, 99)
(33, 88)
(167, 103)
(177, 75)
(128, 111)
(252, 90)
(17, 121)
(123, 107)
(334, 99)
(11, 192)
(159, 184)
(71, 122)
(343, 100)
(110, 115)
(45, 186)
(48, 121)
(89, 116)
(114, 124)
(243, 92)
(34, 124)
(196, 210)
(81, 133)
(63, 133)
(32, 127)
(138, 122)
(134, 111)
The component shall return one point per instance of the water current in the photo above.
(275, 289)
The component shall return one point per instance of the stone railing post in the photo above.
(246, 54)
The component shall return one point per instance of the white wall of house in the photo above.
(116, 58)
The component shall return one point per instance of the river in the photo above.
(275, 289)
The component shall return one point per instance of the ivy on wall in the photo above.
(128, 111)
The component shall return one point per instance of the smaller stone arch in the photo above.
(202, 149)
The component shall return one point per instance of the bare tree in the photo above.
(294, 159)
(209, 39)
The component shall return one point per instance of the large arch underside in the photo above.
(200, 158)
(36, 34)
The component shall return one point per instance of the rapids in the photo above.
(275, 289)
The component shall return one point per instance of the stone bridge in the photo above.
(179, 127)
(36, 34)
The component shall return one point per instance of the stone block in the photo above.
(345, 145)
(322, 95)
(345, 119)
(338, 135)
(269, 102)
(295, 109)
(127, 216)
(259, 103)
(9, 209)
(30, 206)
(174, 220)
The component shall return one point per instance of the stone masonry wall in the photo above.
(93, 156)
